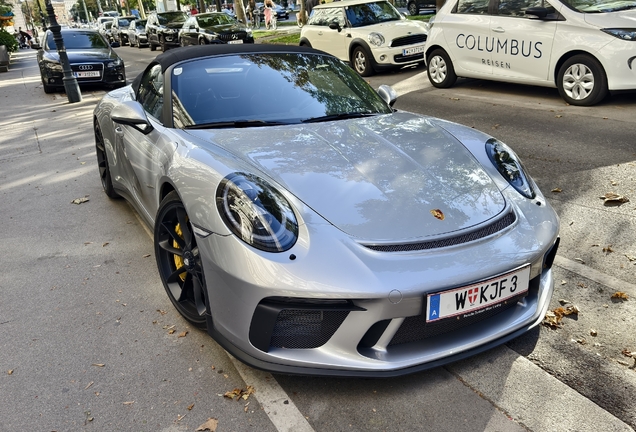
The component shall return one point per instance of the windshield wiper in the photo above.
(236, 124)
(341, 116)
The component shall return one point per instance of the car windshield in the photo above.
(79, 40)
(168, 17)
(141, 24)
(214, 20)
(371, 13)
(237, 91)
(600, 6)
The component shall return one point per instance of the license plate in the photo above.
(235, 41)
(89, 74)
(413, 50)
(477, 298)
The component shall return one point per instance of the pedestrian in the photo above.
(193, 10)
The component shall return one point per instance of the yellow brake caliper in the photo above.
(178, 261)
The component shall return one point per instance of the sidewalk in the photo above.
(46, 155)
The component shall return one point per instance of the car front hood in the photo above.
(83, 56)
(224, 28)
(618, 19)
(392, 29)
(380, 178)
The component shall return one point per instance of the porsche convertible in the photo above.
(311, 228)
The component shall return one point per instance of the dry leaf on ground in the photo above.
(79, 201)
(630, 257)
(557, 190)
(239, 393)
(98, 364)
(614, 198)
(620, 295)
(608, 249)
(10, 372)
(129, 403)
(628, 353)
(553, 318)
(190, 407)
(183, 334)
(209, 425)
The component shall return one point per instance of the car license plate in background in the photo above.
(86, 74)
(413, 50)
(480, 297)
(235, 41)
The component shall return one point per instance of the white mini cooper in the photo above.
(369, 34)
(585, 48)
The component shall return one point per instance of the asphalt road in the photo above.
(87, 331)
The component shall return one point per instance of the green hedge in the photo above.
(8, 40)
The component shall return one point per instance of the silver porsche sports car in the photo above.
(310, 228)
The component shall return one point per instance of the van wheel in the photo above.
(582, 81)
(440, 69)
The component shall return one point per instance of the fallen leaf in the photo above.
(87, 243)
(129, 403)
(88, 386)
(183, 334)
(582, 341)
(628, 353)
(614, 198)
(558, 116)
(620, 295)
(630, 257)
(496, 126)
(553, 318)
(79, 201)
(557, 190)
(608, 249)
(209, 425)
(10, 372)
(239, 393)
(162, 312)
(146, 256)
(82, 163)
(438, 214)
(563, 282)
(105, 244)
(171, 331)
(98, 364)
(190, 407)
(614, 183)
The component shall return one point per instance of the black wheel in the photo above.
(413, 9)
(102, 164)
(181, 42)
(152, 46)
(305, 43)
(178, 260)
(202, 41)
(162, 42)
(582, 81)
(440, 69)
(361, 61)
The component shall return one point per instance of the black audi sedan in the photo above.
(92, 59)
(214, 27)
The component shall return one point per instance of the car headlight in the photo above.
(115, 63)
(53, 67)
(375, 39)
(622, 33)
(256, 213)
(509, 166)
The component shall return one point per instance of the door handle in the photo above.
(499, 30)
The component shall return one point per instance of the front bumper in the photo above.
(109, 76)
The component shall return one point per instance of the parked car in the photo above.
(92, 60)
(105, 29)
(137, 33)
(350, 238)
(370, 34)
(214, 27)
(162, 29)
(119, 28)
(584, 49)
(281, 12)
(415, 6)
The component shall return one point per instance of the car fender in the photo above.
(304, 42)
(361, 42)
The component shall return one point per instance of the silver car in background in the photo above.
(316, 230)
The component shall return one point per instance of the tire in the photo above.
(181, 43)
(162, 42)
(413, 9)
(152, 46)
(202, 41)
(102, 164)
(582, 81)
(441, 72)
(305, 43)
(179, 261)
(361, 61)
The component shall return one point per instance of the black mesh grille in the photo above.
(304, 329)
(226, 37)
(493, 228)
(415, 328)
(408, 40)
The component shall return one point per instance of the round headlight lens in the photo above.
(256, 213)
(376, 39)
(509, 166)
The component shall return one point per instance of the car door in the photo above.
(466, 32)
(522, 44)
(145, 155)
(334, 41)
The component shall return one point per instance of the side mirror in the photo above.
(131, 113)
(387, 94)
(334, 26)
(538, 12)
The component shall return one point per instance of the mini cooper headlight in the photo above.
(256, 212)
(510, 167)
(375, 39)
(628, 34)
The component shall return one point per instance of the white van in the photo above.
(585, 48)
